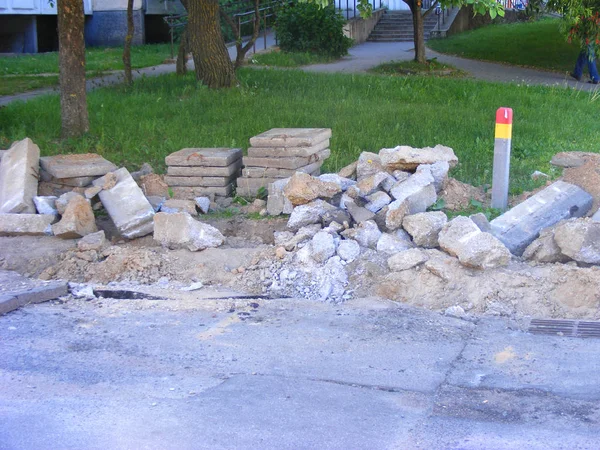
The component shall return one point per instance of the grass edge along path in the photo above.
(158, 116)
(537, 44)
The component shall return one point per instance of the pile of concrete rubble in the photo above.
(92, 183)
(377, 208)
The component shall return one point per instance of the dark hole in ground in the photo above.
(125, 295)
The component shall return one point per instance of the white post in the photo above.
(502, 145)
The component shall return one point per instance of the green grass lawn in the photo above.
(157, 116)
(288, 59)
(431, 68)
(10, 85)
(99, 59)
(532, 44)
(21, 70)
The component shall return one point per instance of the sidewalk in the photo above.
(361, 58)
(370, 54)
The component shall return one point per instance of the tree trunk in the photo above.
(182, 54)
(211, 59)
(71, 54)
(419, 37)
(127, 46)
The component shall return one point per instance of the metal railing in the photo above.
(349, 8)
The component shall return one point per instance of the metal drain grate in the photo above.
(568, 328)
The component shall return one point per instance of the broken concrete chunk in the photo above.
(392, 243)
(368, 185)
(358, 213)
(348, 250)
(62, 202)
(154, 185)
(337, 215)
(579, 239)
(91, 192)
(377, 201)
(277, 202)
(146, 169)
(544, 249)
(127, 206)
(203, 203)
(308, 214)
(366, 234)
(520, 226)
(77, 220)
(291, 137)
(404, 157)
(439, 171)
(45, 204)
(349, 171)
(368, 164)
(180, 230)
(462, 238)
(94, 241)
(418, 191)
(172, 206)
(407, 259)
(395, 214)
(74, 166)
(302, 189)
(482, 222)
(323, 246)
(303, 235)
(425, 227)
(343, 183)
(19, 178)
(26, 224)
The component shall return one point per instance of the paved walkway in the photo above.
(370, 54)
(362, 57)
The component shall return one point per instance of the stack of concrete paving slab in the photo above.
(196, 172)
(64, 173)
(281, 152)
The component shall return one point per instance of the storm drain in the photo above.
(568, 328)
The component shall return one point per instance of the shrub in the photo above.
(306, 27)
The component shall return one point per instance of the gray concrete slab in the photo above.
(202, 370)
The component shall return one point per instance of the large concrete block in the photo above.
(76, 166)
(271, 172)
(294, 162)
(75, 181)
(200, 171)
(19, 178)
(277, 203)
(127, 206)
(26, 224)
(291, 137)
(190, 193)
(278, 152)
(198, 181)
(520, 226)
(207, 157)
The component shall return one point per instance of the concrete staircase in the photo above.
(397, 26)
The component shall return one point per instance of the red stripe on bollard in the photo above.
(504, 115)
